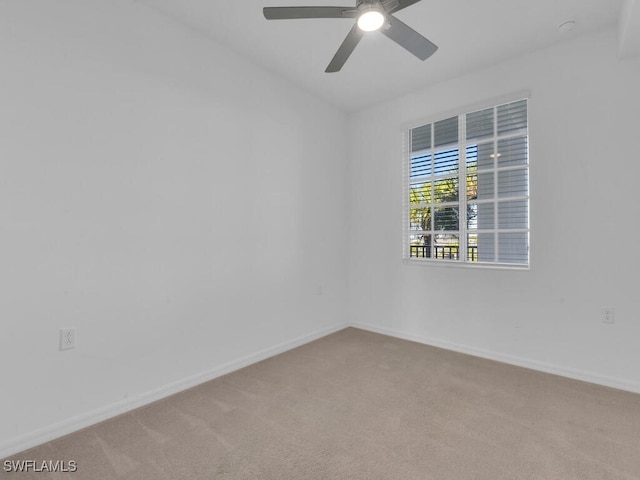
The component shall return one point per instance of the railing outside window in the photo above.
(450, 252)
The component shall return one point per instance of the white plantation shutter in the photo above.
(468, 188)
(421, 138)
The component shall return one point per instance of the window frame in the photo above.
(462, 145)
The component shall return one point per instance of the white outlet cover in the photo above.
(67, 338)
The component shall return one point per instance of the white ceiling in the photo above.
(470, 33)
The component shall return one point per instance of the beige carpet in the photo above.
(357, 405)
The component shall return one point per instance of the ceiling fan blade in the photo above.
(287, 13)
(407, 37)
(398, 5)
(341, 56)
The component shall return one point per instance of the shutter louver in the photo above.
(512, 151)
(446, 132)
(512, 117)
(421, 138)
(421, 166)
(480, 124)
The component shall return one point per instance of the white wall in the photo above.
(181, 208)
(584, 219)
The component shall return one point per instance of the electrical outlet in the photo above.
(67, 338)
(607, 315)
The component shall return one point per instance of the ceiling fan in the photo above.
(370, 15)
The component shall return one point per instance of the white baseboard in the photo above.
(71, 425)
(509, 359)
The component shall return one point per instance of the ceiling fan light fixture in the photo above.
(370, 19)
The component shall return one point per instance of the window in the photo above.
(486, 222)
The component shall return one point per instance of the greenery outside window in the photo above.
(486, 222)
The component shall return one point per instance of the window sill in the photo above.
(419, 262)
